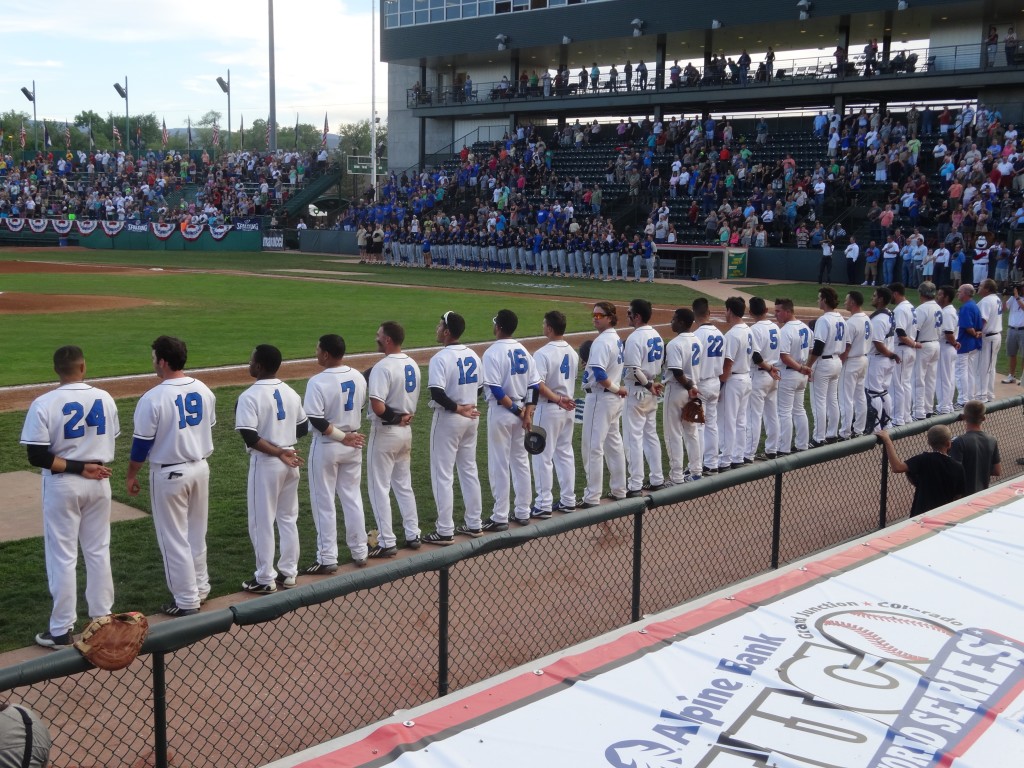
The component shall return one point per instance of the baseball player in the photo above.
(334, 402)
(454, 380)
(948, 346)
(794, 345)
(928, 316)
(682, 361)
(602, 440)
(174, 424)
(764, 385)
(882, 358)
(269, 417)
(712, 344)
(557, 365)
(823, 360)
(394, 390)
(906, 347)
(69, 434)
(510, 382)
(991, 309)
(642, 358)
(735, 391)
(852, 404)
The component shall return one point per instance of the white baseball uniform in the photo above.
(795, 341)
(338, 395)
(853, 406)
(929, 328)
(903, 374)
(735, 394)
(830, 330)
(78, 422)
(272, 410)
(880, 373)
(395, 381)
(712, 343)
(457, 370)
(178, 415)
(644, 350)
(557, 366)
(763, 406)
(602, 440)
(507, 364)
(947, 360)
(682, 440)
(992, 313)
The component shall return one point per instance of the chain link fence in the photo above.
(269, 677)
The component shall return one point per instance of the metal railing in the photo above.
(902, 62)
(269, 677)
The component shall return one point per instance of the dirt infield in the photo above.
(56, 268)
(15, 303)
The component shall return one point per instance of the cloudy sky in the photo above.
(173, 52)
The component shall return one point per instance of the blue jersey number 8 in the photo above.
(410, 378)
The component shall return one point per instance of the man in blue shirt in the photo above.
(969, 336)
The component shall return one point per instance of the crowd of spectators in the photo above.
(162, 187)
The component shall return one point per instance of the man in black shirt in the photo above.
(976, 450)
(936, 478)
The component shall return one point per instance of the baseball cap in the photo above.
(535, 440)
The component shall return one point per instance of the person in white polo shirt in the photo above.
(1014, 333)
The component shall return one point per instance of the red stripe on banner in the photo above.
(388, 739)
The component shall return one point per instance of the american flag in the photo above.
(117, 136)
(46, 136)
(241, 133)
(216, 135)
(296, 136)
(190, 133)
(67, 134)
(23, 135)
(92, 139)
(268, 133)
(163, 134)
(323, 139)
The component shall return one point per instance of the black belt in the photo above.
(1017, 328)
(994, 333)
(175, 464)
(825, 357)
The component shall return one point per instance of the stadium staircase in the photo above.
(299, 202)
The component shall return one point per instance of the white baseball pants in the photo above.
(388, 468)
(453, 446)
(640, 434)
(336, 470)
(557, 458)
(507, 460)
(180, 499)
(602, 443)
(273, 496)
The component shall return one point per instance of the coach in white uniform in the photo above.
(948, 346)
(712, 343)
(510, 380)
(763, 406)
(334, 402)
(853, 407)
(174, 424)
(928, 316)
(735, 379)
(642, 358)
(557, 365)
(270, 419)
(602, 440)
(991, 309)
(823, 360)
(69, 433)
(902, 386)
(454, 381)
(394, 389)
(682, 362)
(794, 345)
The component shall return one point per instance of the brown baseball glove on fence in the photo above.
(693, 412)
(113, 642)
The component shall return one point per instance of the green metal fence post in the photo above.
(638, 533)
(442, 633)
(159, 711)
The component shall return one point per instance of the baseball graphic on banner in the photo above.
(886, 635)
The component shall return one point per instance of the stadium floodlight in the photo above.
(902, 5)
(716, 24)
(225, 85)
(31, 96)
(502, 41)
(566, 40)
(638, 27)
(122, 91)
(804, 5)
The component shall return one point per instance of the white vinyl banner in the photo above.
(901, 651)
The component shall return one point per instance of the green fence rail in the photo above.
(274, 675)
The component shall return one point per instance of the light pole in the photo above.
(373, 98)
(31, 96)
(273, 84)
(226, 87)
(122, 91)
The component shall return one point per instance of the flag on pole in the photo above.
(296, 130)
(268, 132)
(323, 139)
(190, 134)
(92, 139)
(241, 133)
(67, 134)
(216, 135)
(23, 134)
(117, 136)
(138, 137)
(46, 136)
(163, 134)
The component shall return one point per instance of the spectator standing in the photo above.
(976, 450)
(937, 478)
(1014, 333)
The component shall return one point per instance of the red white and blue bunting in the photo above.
(114, 228)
